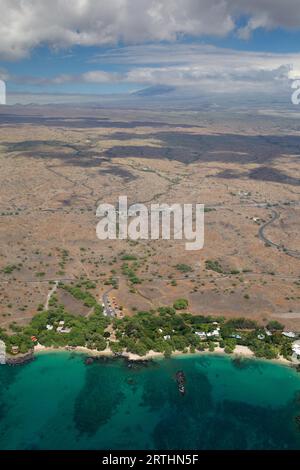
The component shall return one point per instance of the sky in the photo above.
(122, 46)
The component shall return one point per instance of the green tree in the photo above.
(180, 304)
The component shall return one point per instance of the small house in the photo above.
(213, 333)
(296, 350)
(236, 336)
(62, 329)
(15, 349)
(65, 330)
(289, 334)
(201, 334)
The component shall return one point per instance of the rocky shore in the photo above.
(19, 359)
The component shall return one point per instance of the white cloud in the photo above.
(267, 14)
(207, 68)
(4, 75)
(211, 59)
(25, 24)
(99, 76)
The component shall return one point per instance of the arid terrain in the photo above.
(58, 163)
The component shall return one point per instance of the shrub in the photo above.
(180, 304)
(184, 268)
(214, 266)
(274, 325)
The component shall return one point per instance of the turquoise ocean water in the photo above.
(58, 402)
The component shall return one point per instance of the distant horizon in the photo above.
(175, 99)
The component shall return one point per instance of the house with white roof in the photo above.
(289, 334)
(213, 333)
(201, 334)
(296, 351)
(236, 336)
(62, 329)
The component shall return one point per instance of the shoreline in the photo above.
(239, 352)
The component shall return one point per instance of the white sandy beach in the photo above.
(240, 351)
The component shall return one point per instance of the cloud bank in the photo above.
(26, 24)
(201, 67)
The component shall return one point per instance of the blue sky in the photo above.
(86, 46)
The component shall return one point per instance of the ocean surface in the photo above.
(58, 402)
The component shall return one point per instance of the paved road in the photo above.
(275, 216)
(262, 236)
(108, 308)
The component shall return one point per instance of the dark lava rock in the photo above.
(89, 361)
(20, 359)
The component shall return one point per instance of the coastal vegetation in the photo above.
(164, 330)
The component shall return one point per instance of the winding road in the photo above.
(275, 216)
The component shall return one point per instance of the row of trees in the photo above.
(164, 331)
